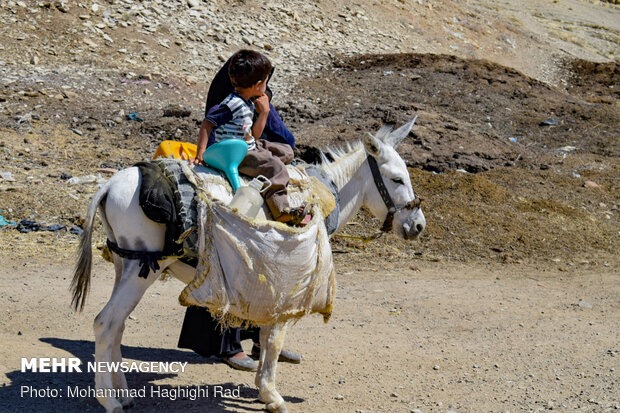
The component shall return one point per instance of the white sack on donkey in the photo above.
(259, 272)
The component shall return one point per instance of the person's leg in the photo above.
(251, 333)
(261, 161)
(286, 356)
(281, 150)
(202, 334)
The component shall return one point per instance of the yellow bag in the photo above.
(176, 150)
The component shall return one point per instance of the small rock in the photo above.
(177, 111)
(20, 333)
(591, 184)
(61, 6)
(584, 304)
(34, 60)
(193, 3)
(7, 176)
(339, 397)
(435, 367)
(110, 171)
(549, 122)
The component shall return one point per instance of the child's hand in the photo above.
(196, 161)
(262, 104)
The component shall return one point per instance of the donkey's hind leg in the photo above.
(271, 342)
(109, 325)
(118, 377)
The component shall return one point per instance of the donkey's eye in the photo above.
(398, 181)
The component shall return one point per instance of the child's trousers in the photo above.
(268, 159)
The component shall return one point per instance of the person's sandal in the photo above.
(286, 356)
(245, 364)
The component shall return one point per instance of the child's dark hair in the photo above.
(248, 67)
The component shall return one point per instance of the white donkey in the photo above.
(370, 174)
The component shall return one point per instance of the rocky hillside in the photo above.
(518, 108)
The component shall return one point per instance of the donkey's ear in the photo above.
(399, 134)
(384, 132)
(373, 145)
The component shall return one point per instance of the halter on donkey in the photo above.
(128, 227)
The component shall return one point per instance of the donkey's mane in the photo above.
(345, 161)
(339, 152)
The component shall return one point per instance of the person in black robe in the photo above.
(201, 332)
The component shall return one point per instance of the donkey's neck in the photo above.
(351, 179)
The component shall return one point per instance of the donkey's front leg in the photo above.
(271, 342)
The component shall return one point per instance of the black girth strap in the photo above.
(385, 195)
(148, 259)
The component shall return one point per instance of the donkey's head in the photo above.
(392, 196)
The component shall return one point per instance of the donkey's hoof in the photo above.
(127, 402)
(276, 407)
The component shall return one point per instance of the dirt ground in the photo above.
(464, 338)
(509, 301)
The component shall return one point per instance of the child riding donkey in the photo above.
(249, 73)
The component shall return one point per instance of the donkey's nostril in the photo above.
(419, 228)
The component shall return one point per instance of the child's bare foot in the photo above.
(296, 217)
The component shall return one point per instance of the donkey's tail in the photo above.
(81, 276)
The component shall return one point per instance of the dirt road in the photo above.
(444, 338)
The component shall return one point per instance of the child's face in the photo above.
(259, 88)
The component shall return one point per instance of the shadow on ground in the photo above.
(17, 397)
